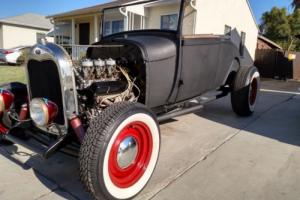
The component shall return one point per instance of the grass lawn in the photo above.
(10, 74)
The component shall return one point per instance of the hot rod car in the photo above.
(109, 104)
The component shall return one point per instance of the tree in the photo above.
(294, 21)
(282, 28)
(275, 26)
(296, 4)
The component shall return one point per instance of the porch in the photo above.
(76, 33)
(76, 30)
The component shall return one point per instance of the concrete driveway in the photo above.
(212, 154)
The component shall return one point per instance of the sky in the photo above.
(48, 7)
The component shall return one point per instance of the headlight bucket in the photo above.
(6, 100)
(42, 111)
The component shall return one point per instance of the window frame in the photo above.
(169, 14)
(180, 15)
(117, 21)
(110, 26)
(38, 34)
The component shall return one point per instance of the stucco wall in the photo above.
(14, 36)
(213, 15)
(210, 18)
(154, 15)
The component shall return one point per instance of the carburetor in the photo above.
(99, 69)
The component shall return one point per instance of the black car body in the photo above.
(134, 77)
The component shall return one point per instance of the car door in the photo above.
(199, 65)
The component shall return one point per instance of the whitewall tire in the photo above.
(120, 151)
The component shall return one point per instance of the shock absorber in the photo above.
(77, 128)
(23, 112)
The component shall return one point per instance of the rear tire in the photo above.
(245, 91)
(120, 151)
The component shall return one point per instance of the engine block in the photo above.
(99, 70)
(101, 83)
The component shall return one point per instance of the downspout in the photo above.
(193, 6)
(54, 29)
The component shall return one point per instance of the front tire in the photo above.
(245, 91)
(120, 151)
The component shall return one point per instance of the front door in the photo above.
(199, 60)
(84, 34)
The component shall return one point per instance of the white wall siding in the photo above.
(213, 15)
(14, 36)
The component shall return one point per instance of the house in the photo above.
(272, 61)
(79, 27)
(234, 18)
(23, 30)
(265, 43)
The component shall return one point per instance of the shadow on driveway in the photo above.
(63, 170)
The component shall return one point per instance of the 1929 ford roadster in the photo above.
(110, 103)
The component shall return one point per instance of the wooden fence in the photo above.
(273, 64)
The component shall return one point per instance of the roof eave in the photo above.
(82, 11)
(24, 25)
(270, 41)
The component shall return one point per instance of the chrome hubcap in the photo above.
(127, 152)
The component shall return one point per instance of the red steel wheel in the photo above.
(130, 154)
(120, 151)
(245, 90)
(253, 91)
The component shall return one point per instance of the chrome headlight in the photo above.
(42, 111)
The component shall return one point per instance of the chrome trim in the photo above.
(2, 105)
(57, 54)
(127, 152)
(44, 108)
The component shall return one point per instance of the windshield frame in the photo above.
(177, 31)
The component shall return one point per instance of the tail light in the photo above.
(6, 99)
(8, 52)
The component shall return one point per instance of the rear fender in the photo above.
(234, 67)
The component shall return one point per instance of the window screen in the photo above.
(107, 28)
(117, 26)
(40, 36)
(169, 22)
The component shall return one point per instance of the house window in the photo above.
(111, 27)
(227, 30)
(117, 26)
(242, 45)
(107, 29)
(169, 22)
(40, 36)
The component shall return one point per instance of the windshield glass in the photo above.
(160, 14)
